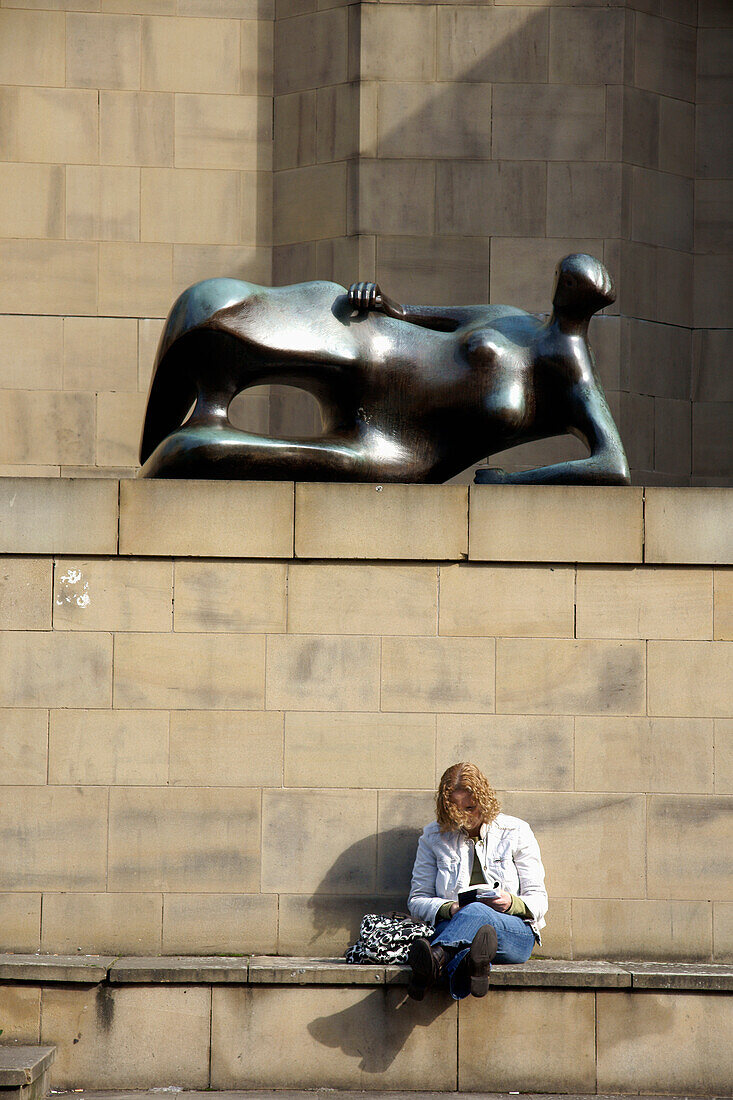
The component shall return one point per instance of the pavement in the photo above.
(334, 1094)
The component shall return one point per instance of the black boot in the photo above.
(428, 967)
(481, 952)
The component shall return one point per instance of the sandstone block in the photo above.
(23, 746)
(587, 47)
(334, 849)
(186, 518)
(53, 838)
(557, 937)
(135, 278)
(119, 416)
(438, 674)
(33, 200)
(256, 59)
(220, 131)
(662, 208)
(102, 51)
(51, 125)
(47, 426)
(605, 929)
(675, 1042)
(50, 515)
(169, 44)
(690, 678)
(310, 203)
(326, 923)
(219, 923)
(226, 748)
(55, 670)
(338, 1038)
(113, 923)
(321, 672)
(644, 754)
(32, 47)
(644, 603)
(108, 746)
(136, 128)
(230, 596)
(102, 203)
(193, 262)
(401, 521)
(524, 122)
(190, 671)
(585, 199)
(688, 847)
(562, 1052)
(115, 594)
(20, 920)
(496, 198)
(295, 130)
(605, 832)
(24, 603)
(723, 930)
(545, 761)
(184, 838)
(128, 1037)
(564, 676)
(499, 45)
(359, 750)
(20, 1007)
(401, 818)
(311, 51)
(32, 352)
(100, 353)
(428, 120)
(724, 756)
(189, 205)
(362, 599)
(58, 276)
(412, 182)
(664, 57)
(479, 600)
(397, 43)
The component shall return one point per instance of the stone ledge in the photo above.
(296, 970)
(22, 1065)
(179, 969)
(85, 969)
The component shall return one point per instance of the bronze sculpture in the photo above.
(407, 393)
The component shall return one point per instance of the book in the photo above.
(482, 891)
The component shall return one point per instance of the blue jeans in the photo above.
(515, 941)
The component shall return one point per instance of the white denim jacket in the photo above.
(509, 853)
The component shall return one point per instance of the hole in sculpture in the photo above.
(282, 412)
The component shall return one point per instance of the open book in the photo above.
(482, 891)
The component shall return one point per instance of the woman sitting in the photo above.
(469, 845)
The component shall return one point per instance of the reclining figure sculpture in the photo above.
(407, 393)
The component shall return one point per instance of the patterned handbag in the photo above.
(386, 938)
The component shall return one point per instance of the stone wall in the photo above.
(135, 158)
(224, 707)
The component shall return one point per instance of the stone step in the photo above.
(25, 1071)
(336, 1094)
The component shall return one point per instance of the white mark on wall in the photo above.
(72, 588)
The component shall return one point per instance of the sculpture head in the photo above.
(465, 798)
(582, 286)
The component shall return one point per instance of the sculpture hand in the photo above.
(365, 296)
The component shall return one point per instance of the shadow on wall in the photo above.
(335, 914)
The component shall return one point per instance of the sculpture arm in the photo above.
(591, 421)
(368, 296)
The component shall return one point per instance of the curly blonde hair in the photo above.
(449, 817)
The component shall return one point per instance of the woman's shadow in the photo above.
(376, 1027)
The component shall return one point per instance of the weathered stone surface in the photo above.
(179, 970)
(688, 526)
(226, 924)
(399, 521)
(113, 923)
(555, 523)
(128, 1037)
(679, 975)
(266, 970)
(21, 1065)
(58, 515)
(641, 928)
(680, 1043)
(561, 1055)
(337, 1037)
(558, 973)
(20, 1008)
(86, 969)
(251, 519)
